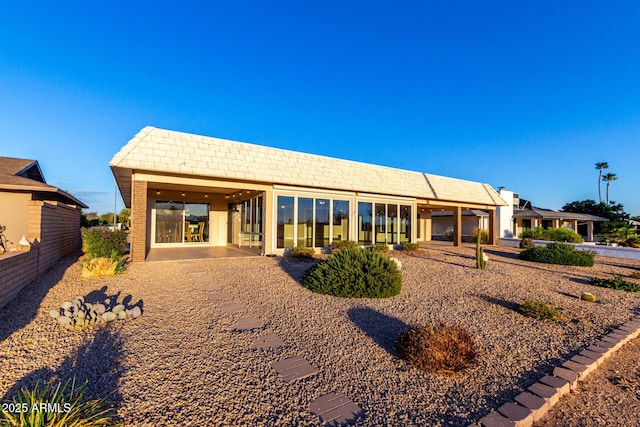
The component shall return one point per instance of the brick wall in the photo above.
(138, 221)
(56, 226)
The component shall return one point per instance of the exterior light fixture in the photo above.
(158, 192)
(183, 194)
(206, 195)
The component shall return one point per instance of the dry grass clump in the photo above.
(438, 348)
(540, 310)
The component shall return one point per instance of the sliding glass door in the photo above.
(178, 222)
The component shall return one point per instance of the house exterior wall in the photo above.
(505, 214)
(140, 226)
(14, 214)
(56, 227)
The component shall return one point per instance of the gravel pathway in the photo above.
(182, 363)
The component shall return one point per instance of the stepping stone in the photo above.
(232, 308)
(293, 368)
(248, 323)
(220, 296)
(267, 342)
(209, 287)
(197, 272)
(199, 279)
(335, 409)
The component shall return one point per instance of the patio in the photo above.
(193, 253)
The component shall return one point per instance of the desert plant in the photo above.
(617, 283)
(344, 244)
(551, 234)
(302, 252)
(101, 243)
(586, 296)
(66, 405)
(481, 260)
(103, 267)
(380, 247)
(409, 246)
(438, 348)
(354, 273)
(449, 234)
(527, 243)
(484, 235)
(558, 253)
(539, 310)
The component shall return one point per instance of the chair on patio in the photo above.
(199, 235)
(188, 237)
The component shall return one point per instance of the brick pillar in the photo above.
(457, 226)
(493, 225)
(138, 237)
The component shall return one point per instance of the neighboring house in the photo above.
(45, 215)
(515, 218)
(191, 190)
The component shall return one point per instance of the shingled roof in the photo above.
(25, 175)
(551, 214)
(164, 151)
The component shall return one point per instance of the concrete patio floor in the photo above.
(173, 254)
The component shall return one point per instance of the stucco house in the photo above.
(45, 215)
(191, 190)
(515, 217)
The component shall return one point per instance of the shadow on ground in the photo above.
(97, 361)
(101, 296)
(381, 328)
(295, 267)
(509, 305)
(15, 316)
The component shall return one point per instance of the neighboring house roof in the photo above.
(180, 153)
(551, 214)
(25, 175)
(470, 212)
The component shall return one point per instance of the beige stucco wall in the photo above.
(14, 214)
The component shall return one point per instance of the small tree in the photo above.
(608, 178)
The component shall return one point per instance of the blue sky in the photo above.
(523, 95)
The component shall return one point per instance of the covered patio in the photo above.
(203, 252)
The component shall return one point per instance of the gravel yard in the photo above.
(182, 364)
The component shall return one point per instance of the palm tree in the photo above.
(609, 177)
(601, 166)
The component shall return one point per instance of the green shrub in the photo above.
(539, 310)
(380, 247)
(617, 283)
(552, 235)
(301, 252)
(448, 235)
(102, 243)
(558, 253)
(344, 244)
(484, 236)
(75, 409)
(354, 273)
(438, 348)
(527, 243)
(409, 246)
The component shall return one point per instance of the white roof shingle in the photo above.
(166, 151)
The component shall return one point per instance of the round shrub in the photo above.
(527, 243)
(558, 253)
(354, 273)
(439, 348)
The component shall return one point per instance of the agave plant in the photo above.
(64, 405)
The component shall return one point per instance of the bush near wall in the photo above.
(553, 235)
(354, 273)
(102, 243)
(558, 253)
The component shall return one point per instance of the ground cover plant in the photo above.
(527, 243)
(617, 283)
(438, 348)
(66, 405)
(409, 246)
(539, 310)
(558, 253)
(344, 244)
(354, 273)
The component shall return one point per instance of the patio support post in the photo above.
(589, 231)
(493, 222)
(457, 226)
(575, 225)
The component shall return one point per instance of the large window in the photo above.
(405, 223)
(305, 222)
(285, 222)
(392, 224)
(340, 220)
(381, 222)
(178, 222)
(322, 223)
(364, 223)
